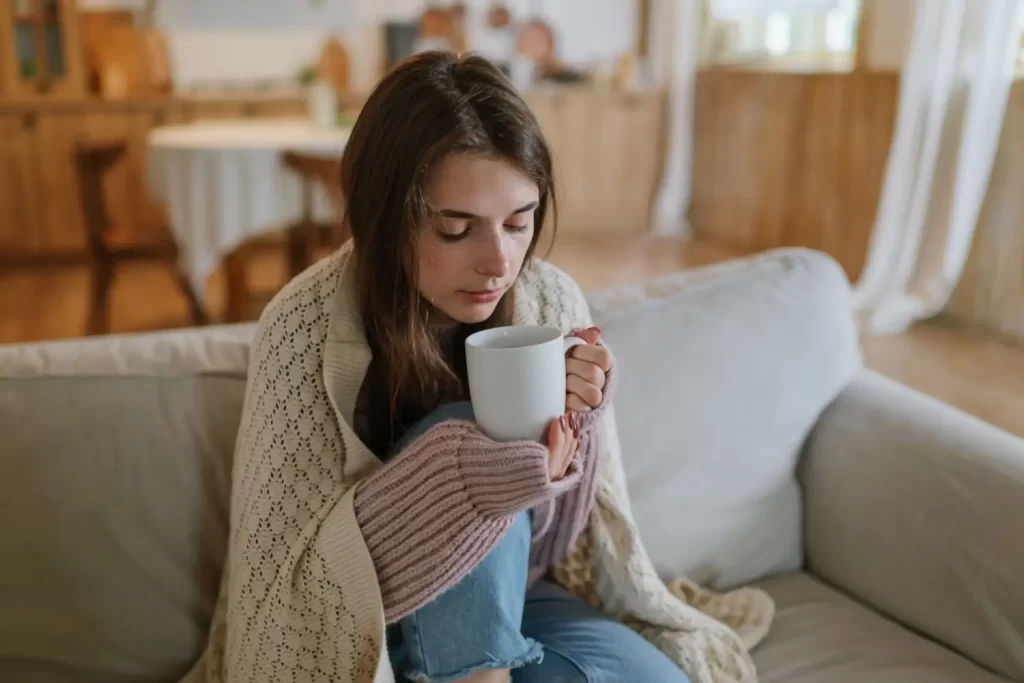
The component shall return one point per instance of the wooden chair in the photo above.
(307, 235)
(109, 244)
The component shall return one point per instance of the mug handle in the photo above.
(569, 342)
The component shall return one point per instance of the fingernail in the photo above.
(561, 422)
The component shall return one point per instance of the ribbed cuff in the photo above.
(503, 479)
(432, 513)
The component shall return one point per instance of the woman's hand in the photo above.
(562, 442)
(585, 368)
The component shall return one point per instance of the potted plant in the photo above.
(321, 101)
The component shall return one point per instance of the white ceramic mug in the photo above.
(517, 379)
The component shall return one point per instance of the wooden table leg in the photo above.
(236, 267)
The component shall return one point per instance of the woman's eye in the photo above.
(517, 228)
(452, 231)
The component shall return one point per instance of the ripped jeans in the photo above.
(489, 620)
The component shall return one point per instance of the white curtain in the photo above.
(675, 48)
(955, 84)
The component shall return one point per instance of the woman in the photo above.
(366, 503)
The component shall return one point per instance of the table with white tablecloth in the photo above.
(223, 183)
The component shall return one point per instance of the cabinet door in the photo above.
(626, 159)
(61, 226)
(42, 48)
(20, 217)
(608, 152)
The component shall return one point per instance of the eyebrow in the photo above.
(455, 213)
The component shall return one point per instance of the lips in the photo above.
(483, 296)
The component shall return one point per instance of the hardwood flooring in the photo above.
(980, 374)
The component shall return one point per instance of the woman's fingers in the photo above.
(559, 441)
(593, 354)
(588, 395)
(572, 446)
(589, 372)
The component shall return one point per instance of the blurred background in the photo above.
(165, 164)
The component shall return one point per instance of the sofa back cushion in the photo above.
(116, 463)
(722, 372)
(116, 458)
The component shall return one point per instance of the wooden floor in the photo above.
(980, 374)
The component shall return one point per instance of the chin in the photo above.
(468, 313)
(471, 315)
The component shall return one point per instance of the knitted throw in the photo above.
(299, 599)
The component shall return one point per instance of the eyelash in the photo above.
(457, 237)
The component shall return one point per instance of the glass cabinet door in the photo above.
(40, 32)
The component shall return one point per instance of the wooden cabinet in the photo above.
(608, 148)
(40, 209)
(41, 49)
(790, 159)
(20, 215)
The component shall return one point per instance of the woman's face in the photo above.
(471, 252)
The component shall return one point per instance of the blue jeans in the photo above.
(488, 620)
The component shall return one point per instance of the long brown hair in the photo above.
(430, 106)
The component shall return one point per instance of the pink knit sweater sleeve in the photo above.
(556, 537)
(432, 513)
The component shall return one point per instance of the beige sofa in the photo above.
(887, 526)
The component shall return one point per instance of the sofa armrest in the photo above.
(917, 509)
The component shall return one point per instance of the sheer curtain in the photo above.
(955, 84)
(675, 49)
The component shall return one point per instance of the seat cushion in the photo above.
(116, 464)
(822, 636)
(723, 371)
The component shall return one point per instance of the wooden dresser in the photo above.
(40, 218)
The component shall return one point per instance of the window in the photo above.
(812, 33)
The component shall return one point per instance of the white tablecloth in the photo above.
(223, 183)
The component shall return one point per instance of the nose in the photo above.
(492, 261)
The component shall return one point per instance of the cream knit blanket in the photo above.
(299, 600)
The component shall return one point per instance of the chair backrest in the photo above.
(324, 171)
(93, 159)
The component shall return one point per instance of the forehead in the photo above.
(481, 185)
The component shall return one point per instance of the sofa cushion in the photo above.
(116, 469)
(821, 636)
(723, 371)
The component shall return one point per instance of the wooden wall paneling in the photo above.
(20, 218)
(784, 159)
(990, 293)
(745, 128)
(816, 168)
(869, 106)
